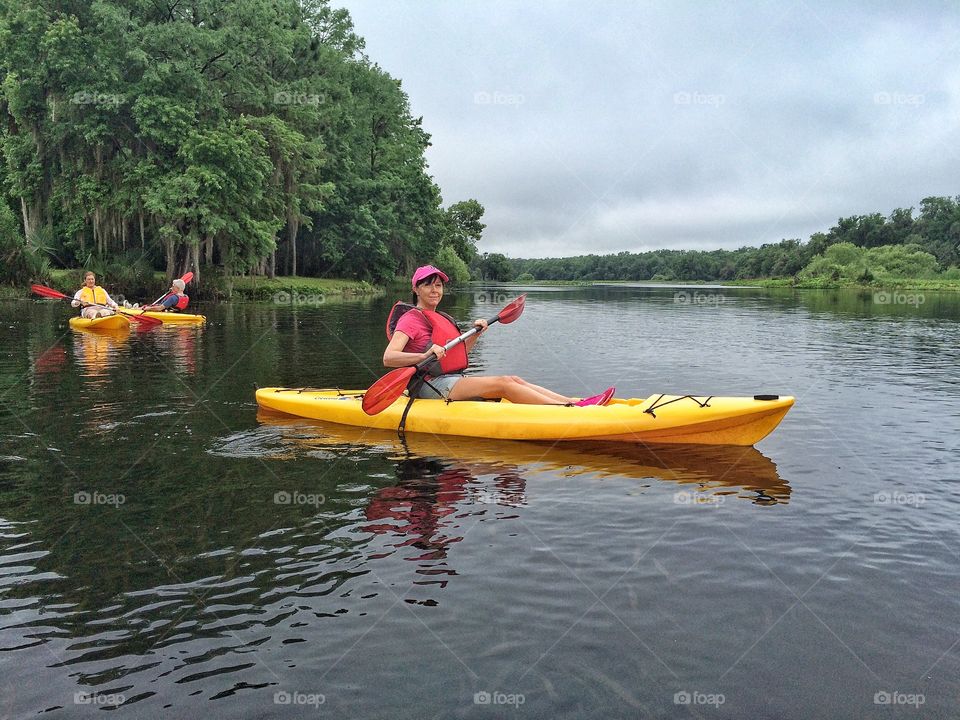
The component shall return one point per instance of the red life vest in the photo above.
(182, 302)
(443, 330)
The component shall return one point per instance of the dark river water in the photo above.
(166, 552)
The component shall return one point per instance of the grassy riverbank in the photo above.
(930, 285)
(934, 284)
(218, 289)
(291, 289)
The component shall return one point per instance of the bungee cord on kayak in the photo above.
(656, 404)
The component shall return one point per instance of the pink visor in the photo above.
(426, 271)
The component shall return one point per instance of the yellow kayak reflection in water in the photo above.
(703, 471)
(97, 352)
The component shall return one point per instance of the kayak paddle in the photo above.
(47, 292)
(387, 389)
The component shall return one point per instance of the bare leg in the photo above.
(512, 388)
(557, 397)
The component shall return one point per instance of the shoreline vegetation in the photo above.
(296, 291)
(932, 285)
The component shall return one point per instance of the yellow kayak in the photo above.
(110, 322)
(167, 317)
(686, 419)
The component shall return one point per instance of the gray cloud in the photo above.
(626, 127)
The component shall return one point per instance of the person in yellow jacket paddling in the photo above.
(93, 299)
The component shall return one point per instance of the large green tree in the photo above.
(232, 135)
(464, 228)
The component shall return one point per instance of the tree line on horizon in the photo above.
(868, 247)
(225, 138)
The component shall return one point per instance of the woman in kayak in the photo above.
(413, 341)
(93, 299)
(175, 299)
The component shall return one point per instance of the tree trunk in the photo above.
(272, 268)
(171, 258)
(32, 215)
(143, 237)
(293, 226)
(26, 217)
(193, 259)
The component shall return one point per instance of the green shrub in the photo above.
(846, 261)
(21, 262)
(902, 261)
(452, 264)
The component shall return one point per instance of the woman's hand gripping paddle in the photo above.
(47, 292)
(387, 389)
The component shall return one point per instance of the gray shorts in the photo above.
(443, 384)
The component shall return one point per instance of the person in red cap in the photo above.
(418, 334)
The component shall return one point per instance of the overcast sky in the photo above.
(641, 125)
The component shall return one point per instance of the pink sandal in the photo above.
(601, 399)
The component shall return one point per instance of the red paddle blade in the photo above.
(187, 277)
(144, 320)
(386, 390)
(139, 318)
(512, 311)
(44, 291)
